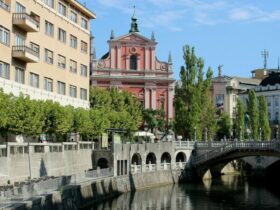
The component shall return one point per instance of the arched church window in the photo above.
(133, 62)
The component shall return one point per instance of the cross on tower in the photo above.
(265, 55)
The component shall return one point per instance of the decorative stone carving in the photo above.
(101, 64)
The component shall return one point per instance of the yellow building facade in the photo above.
(45, 50)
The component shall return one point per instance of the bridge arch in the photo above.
(165, 157)
(102, 163)
(181, 157)
(151, 158)
(136, 159)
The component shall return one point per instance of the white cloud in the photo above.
(172, 14)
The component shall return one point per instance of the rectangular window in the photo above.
(84, 47)
(84, 23)
(61, 88)
(48, 84)
(61, 35)
(49, 28)
(48, 56)
(61, 61)
(73, 41)
(19, 75)
(19, 40)
(34, 80)
(4, 70)
(73, 66)
(73, 91)
(50, 3)
(83, 94)
(83, 70)
(73, 16)
(20, 8)
(62, 9)
(35, 47)
(4, 35)
(4, 5)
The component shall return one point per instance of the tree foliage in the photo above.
(263, 119)
(194, 112)
(253, 115)
(239, 120)
(154, 119)
(224, 126)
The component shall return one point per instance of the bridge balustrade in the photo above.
(252, 145)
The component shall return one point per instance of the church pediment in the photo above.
(133, 37)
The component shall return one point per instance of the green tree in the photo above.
(100, 121)
(253, 115)
(239, 120)
(121, 108)
(263, 118)
(5, 111)
(154, 119)
(224, 126)
(193, 111)
(82, 123)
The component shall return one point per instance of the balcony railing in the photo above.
(5, 6)
(25, 53)
(26, 21)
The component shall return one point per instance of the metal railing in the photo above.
(252, 145)
(23, 16)
(5, 6)
(23, 48)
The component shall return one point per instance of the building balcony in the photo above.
(25, 54)
(5, 6)
(26, 22)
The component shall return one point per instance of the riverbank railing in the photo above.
(35, 187)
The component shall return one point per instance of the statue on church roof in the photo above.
(134, 25)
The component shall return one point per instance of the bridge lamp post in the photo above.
(277, 127)
(240, 137)
(195, 133)
(206, 134)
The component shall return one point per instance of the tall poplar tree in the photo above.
(239, 121)
(192, 98)
(263, 118)
(253, 115)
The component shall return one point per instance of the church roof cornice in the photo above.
(121, 38)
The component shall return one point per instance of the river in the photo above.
(228, 193)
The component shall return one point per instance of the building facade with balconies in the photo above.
(45, 50)
(131, 64)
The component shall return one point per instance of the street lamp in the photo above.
(240, 133)
(194, 133)
(206, 134)
(277, 127)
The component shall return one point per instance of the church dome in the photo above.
(272, 79)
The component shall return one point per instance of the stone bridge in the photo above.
(217, 157)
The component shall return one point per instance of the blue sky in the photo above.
(228, 32)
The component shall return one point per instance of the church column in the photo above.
(170, 102)
(113, 57)
(146, 58)
(127, 62)
(153, 62)
(119, 56)
(147, 98)
(154, 98)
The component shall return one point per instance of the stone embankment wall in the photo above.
(87, 193)
(24, 161)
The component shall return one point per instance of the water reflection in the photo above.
(230, 192)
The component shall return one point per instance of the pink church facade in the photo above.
(131, 64)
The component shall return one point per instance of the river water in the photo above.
(228, 193)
